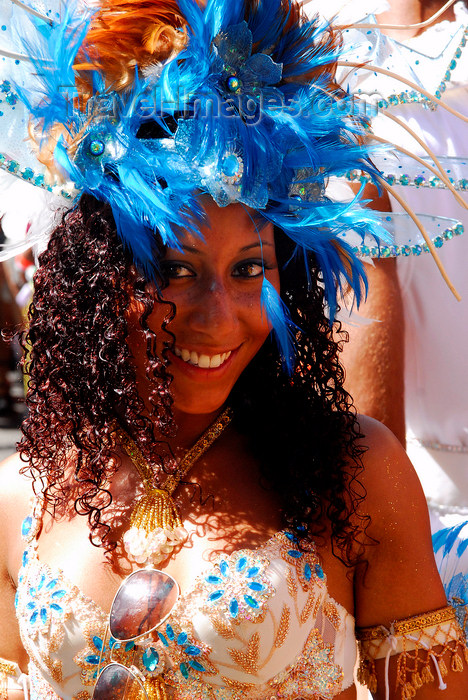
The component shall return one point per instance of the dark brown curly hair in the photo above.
(302, 428)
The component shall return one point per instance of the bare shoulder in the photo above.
(401, 551)
(15, 488)
(392, 485)
(15, 504)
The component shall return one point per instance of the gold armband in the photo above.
(421, 643)
(9, 669)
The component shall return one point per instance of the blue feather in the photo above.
(283, 328)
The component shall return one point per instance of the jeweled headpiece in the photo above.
(145, 105)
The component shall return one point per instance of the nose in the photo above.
(214, 309)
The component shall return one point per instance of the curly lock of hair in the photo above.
(302, 429)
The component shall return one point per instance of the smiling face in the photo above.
(219, 325)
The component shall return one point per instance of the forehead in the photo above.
(229, 229)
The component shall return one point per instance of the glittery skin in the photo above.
(257, 624)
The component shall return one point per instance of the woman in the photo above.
(298, 519)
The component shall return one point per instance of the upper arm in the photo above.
(14, 505)
(401, 578)
(374, 356)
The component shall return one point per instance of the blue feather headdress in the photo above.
(247, 112)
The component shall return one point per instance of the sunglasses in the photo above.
(142, 603)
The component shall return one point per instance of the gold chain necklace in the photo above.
(155, 524)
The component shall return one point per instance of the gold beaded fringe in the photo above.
(155, 689)
(156, 509)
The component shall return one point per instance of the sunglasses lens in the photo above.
(117, 683)
(143, 601)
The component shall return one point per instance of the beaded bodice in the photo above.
(258, 624)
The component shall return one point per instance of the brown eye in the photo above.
(249, 269)
(176, 270)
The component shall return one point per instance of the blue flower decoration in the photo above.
(307, 565)
(190, 656)
(45, 601)
(240, 72)
(239, 587)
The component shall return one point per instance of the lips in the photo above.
(202, 360)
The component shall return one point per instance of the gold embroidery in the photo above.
(237, 685)
(223, 628)
(283, 627)
(82, 695)
(248, 660)
(292, 585)
(310, 604)
(332, 614)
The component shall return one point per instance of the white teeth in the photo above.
(203, 361)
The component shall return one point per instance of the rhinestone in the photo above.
(233, 83)
(96, 147)
(438, 241)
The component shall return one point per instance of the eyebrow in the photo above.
(257, 244)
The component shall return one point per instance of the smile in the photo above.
(201, 360)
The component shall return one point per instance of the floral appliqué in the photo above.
(239, 587)
(307, 564)
(101, 650)
(242, 72)
(189, 659)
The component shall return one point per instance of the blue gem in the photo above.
(150, 659)
(253, 571)
(233, 83)
(419, 180)
(295, 554)
(11, 98)
(231, 165)
(234, 608)
(43, 616)
(56, 607)
(97, 641)
(39, 180)
(182, 639)
(129, 646)
(365, 250)
(224, 568)
(5, 86)
(197, 665)
(184, 670)
(163, 639)
(25, 557)
(458, 230)
(291, 537)
(404, 180)
(406, 250)
(96, 147)
(213, 579)
(256, 586)
(241, 564)
(192, 650)
(170, 632)
(216, 595)
(391, 179)
(438, 242)
(92, 659)
(251, 601)
(307, 572)
(27, 174)
(319, 571)
(26, 526)
(34, 617)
